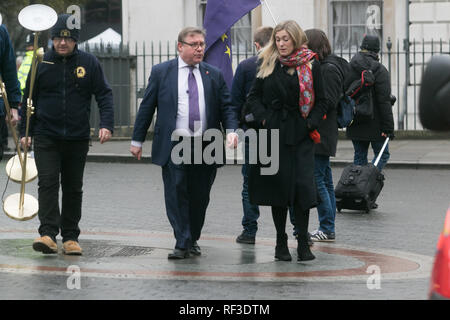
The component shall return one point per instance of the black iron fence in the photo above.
(128, 67)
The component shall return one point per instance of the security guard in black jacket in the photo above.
(66, 79)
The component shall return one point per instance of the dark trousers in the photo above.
(4, 131)
(186, 193)
(60, 162)
(3, 135)
(1, 148)
(251, 211)
(326, 209)
(362, 149)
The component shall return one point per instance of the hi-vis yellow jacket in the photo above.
(24, 69)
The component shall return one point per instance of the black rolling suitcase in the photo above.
(359, 186)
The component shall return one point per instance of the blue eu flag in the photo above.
(220, 16)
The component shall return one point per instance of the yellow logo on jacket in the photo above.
(80, 72)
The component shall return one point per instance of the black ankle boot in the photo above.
(281, 250)
(303, 251)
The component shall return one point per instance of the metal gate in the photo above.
(128, 68)
(119, 67)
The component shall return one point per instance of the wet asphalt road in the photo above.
(410, 217)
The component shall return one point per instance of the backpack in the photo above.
(346, 112)
(346, 105)
(362, 92)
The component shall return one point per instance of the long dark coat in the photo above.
(275, 99)
(333, 80)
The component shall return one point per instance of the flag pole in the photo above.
(270, 11)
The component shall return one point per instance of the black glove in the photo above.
(311, 125)
(390, 135)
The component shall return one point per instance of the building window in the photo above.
(201, 11)
(241, 32)
(350, 20)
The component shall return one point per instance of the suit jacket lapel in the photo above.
(172, 73)
(206, 79)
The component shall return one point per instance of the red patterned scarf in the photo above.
(300, 61)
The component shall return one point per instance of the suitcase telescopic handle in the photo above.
(381, 152)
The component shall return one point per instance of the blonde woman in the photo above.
(287, 95)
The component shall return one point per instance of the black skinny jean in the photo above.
(60, 162)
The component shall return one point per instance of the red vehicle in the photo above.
(440, 278)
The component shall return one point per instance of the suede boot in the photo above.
(303, 251)
(281, 250)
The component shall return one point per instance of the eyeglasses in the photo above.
(66, 39)
(195, 45)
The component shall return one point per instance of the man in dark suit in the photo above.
(191, 97)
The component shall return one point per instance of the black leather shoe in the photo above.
(195, 249)
(178, 254)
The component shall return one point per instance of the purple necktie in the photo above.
(194, 110)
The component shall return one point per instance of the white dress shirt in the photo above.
(182, 122)
(182, 125)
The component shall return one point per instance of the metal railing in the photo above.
(128, 67)
(406, 62)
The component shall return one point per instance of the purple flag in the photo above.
(220, 16)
